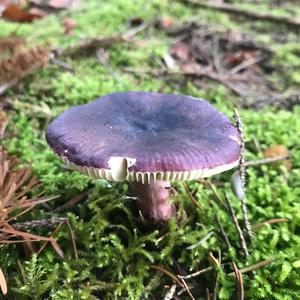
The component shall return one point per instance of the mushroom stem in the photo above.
(154, 200)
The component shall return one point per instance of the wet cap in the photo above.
(145, 136)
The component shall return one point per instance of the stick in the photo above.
(231, 9)
(272, 221)
(197, 273)
(254, 267)
(268, 160)
(225, 236)
(237, 226)
(187, 190)
(239, 282)
(166, 272)
(242, 171)
(38, 223)
(73, 201)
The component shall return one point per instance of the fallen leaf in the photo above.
(278, 150)
(15, 13)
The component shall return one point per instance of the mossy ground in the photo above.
(115, 250)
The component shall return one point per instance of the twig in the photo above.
(217, 265)
(187, 289)
(166, 272)
(239, 282)
(242, 172)
(73, 201)
(237, 226)
(272, 221)
(268, 160)
(217, 197)
(186, 188)
(197, 273)
(225, 236)
(39, 223)
(254, 267)
(54, 245)
(254, 15)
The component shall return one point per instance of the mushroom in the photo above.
(147, 139)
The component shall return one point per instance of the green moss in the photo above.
(115, 250)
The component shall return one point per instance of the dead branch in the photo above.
(168, 273)
(39, 223)
(254, 15)
(197, 273)
(268, 160)
(254, 266)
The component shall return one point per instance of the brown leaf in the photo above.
(3, 284)
(13, 12)
(278, 150)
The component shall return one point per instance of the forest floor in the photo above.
(88, 242)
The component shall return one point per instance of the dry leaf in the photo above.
(3, 284)
(15, 13)
(278, 150)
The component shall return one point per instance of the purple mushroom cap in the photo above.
(144, 136)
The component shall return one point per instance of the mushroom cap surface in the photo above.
(145, 136)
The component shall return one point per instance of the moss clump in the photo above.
(117, 254)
